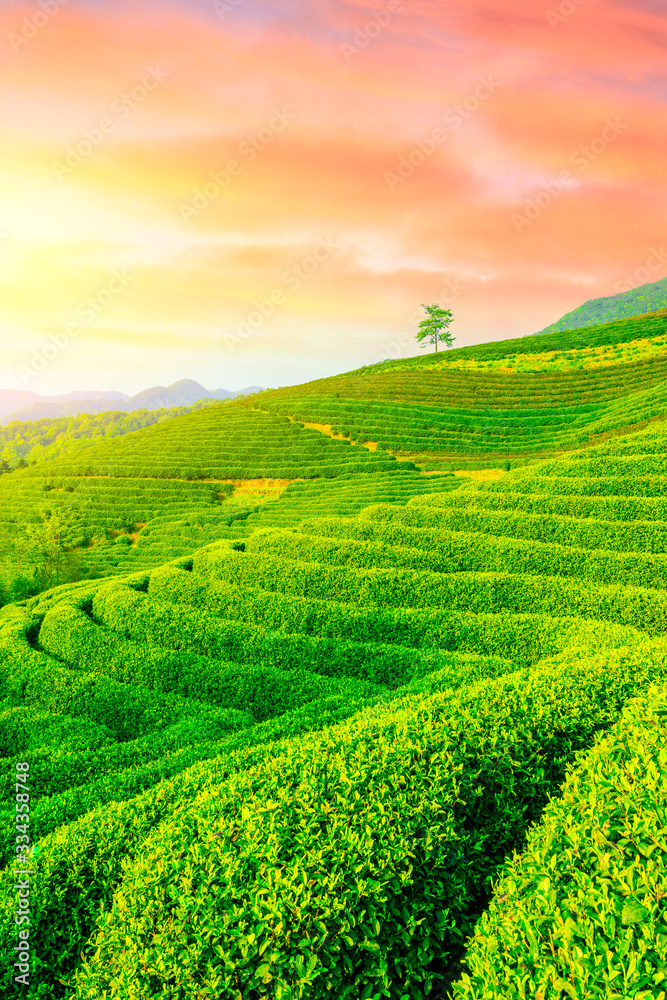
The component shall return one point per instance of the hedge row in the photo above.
(411, 526)
(260, 688)
(31, 677)
(580, 912)
(604, 508)
(355, 861)
(54, 806)
(482, 593)
(104, 840)
(603, 486)
(519, 638)
(449, 551)
(150, 622)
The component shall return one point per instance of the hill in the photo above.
(30, 442)
(373, 731)
(644, 299)
(161, 491)
(508, 401)
(181, 393)
(16, 399)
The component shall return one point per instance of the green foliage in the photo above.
(289, 743)
(644, 299)
(44, 553)
(580, 911)
(352, 862)
(436, 326)
(23, 443)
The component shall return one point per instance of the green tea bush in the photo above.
(289, 748)
(411, 526)
(357, 861)
(461, 551)
(522, 638)
(480, 593)
(30, 677)
(24, 728)
(151, 622)
(90, 853)
(580, 911)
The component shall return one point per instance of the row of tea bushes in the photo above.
(347, 495)
(477, 592)
(75, 779)
(415, 408)
(602, 507)
(426, 523)
(580, 912)
(462, 551)
(228, 441)
(356, 863)
(91, 852)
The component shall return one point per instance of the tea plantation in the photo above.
(374, 732)
(445, 415)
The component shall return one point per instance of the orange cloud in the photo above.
(429, 141)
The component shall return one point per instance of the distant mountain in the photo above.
(645, 298)
(87, 395)
(35, 407)
(16, 399)
(181, 393)
(37, 411)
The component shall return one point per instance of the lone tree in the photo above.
(436, 326)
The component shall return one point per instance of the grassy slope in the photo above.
(639, 300)
(165, 490)
(444, 414)
(295, 765)
(432, 410)
(50, 437)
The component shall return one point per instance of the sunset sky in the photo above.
(264, 191)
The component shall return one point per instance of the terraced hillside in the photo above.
(321, 703)
(165, 490)
(32, 441)
(162, 491)
(297, 765)
(444, 414)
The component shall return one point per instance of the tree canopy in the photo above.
(436, 326)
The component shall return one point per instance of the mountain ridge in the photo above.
(181, 393)
(635, 302)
